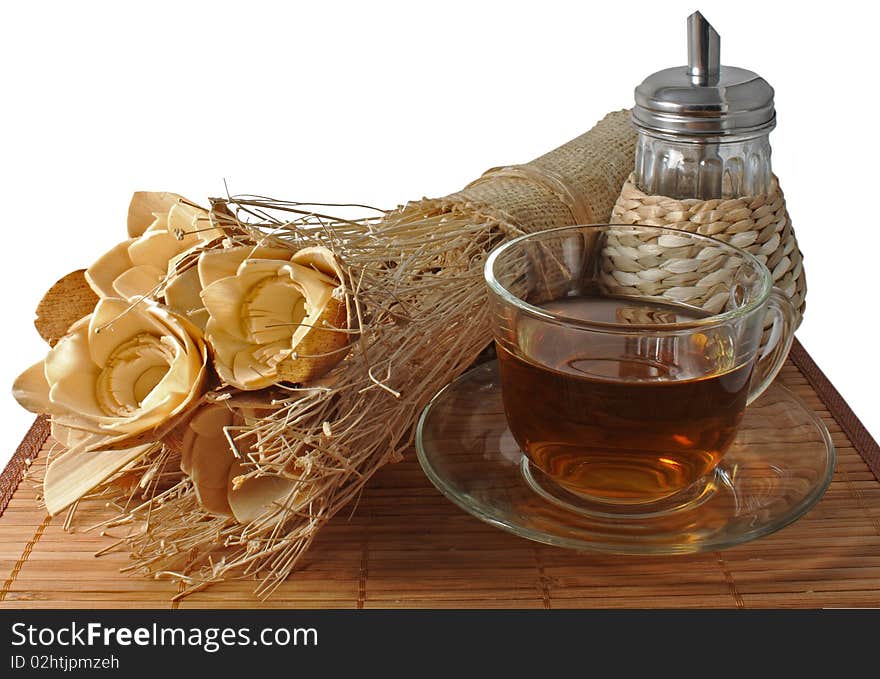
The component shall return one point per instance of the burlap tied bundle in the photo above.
(758, 224)
(576, 183)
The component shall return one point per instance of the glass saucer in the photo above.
(777, 468)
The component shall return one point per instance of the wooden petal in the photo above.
(155, 432)
(138, 281)
(31, 389)
(320, 349)
(320, 259)
(186, 448)
(182, 295)
(223, 300)
(217, 264)
(209, 457)
(72, 374)
(323, 260)
(226, 348)
(103, 271)
(213, 500)
(66, 436)
(156, 249)
(64, 303)
(76, 473)
(200, 318)
(209, 420)
(143, 206)
(192, 225)
(254, 496)
(254, 366)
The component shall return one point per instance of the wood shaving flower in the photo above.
(119, 377)
(165, 228)
(273, 316)
(221, 481)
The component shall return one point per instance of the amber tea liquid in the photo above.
(622, 419)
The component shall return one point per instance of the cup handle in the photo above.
(776, 351)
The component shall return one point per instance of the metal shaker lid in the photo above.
(704, 98)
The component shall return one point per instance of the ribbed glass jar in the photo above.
(718, 167)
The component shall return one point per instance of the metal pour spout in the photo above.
(704, 51)
(703, 127)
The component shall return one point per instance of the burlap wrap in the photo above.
(575, 183)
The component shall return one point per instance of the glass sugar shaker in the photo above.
(703, 128)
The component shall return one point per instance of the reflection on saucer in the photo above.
(779, 466)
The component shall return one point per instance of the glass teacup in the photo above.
(628, 354)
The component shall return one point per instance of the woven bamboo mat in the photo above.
(406, 546)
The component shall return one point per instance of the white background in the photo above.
(381, 103)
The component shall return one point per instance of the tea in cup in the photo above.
(628, 354)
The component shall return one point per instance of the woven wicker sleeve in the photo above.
(757, 224)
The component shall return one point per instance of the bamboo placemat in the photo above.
(406, 546)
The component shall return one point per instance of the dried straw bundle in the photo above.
(413, 278)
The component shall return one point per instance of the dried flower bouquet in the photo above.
(230, 376)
